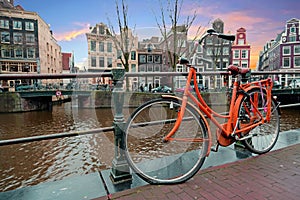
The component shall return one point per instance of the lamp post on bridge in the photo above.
(120, 169)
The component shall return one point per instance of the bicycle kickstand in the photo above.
(215, 148)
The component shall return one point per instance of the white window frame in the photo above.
(18, 53)
(298, 59)
(29, 26)
(17, 25)
(236, 54)
(244, 53)
(31, 52)
(18, 38)
(286, 58)
(4, 23)
(286, 48)
(7, 35)
(297, 48)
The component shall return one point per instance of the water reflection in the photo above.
(31, 163)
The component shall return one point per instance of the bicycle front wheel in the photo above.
(159, 162)
(263, 137)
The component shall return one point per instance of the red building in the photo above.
(241, 49)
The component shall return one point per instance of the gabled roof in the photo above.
(241, 30)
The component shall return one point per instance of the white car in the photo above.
(295, 83)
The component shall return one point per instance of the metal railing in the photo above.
(117, 173)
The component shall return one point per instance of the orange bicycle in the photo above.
(167, 139)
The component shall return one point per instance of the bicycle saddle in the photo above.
(235, 70)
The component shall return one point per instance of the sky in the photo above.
(70, 20)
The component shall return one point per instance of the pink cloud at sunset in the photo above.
(70, 35)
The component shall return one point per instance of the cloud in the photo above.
(70, 35)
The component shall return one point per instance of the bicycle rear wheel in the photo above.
(264, 137)
(159, 162)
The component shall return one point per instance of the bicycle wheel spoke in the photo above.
(264, 136)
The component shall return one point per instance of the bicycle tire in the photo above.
(264, 136)
(159, 162)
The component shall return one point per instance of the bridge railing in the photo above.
(120, 169)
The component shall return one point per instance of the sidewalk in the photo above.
(275, 175)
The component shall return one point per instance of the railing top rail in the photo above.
(128, 74)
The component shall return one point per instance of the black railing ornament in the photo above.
(120, 169)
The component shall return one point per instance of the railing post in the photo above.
(120, 169)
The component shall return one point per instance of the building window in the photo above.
(119, 54)
(199, 49)
(93, 45)
(29, 26)
(244, 54)
(18, 53)
(109, 62)
(297, 61)
(109, 47)
(31, 53)
(297, 49)
(225, 51)
(5, 37)
(149, 59)
(179, 68)
(133, 67)
(241, 41)
(4, 23)
(157, 68)
(157, 59)
(286, 62)
(244, 64)
(150, 68)
(17, 25)
(93, 61)
(209, 40)
(101, 46)
(236, 54)
(286, 50)
(209, 51)
(30, 40)
(101, 62)
(133, 55)
(293, 29)
(142, 58)
(5, 53)
(18, 38)
(181, 43)
(142, 68)
(292, 38)
(101, 30)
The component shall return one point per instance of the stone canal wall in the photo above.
(12, 102)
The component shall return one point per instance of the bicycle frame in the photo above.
(229, 128)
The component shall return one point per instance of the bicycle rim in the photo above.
(265, 136)
(159, 162)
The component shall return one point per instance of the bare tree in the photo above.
(124, 40)
(176, 30)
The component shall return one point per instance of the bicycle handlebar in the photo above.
(219, 35)
(209, 32)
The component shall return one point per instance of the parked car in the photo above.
(24, 87)
(162, 89)
(200, 86)
(295, 83)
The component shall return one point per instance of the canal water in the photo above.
(28, 164)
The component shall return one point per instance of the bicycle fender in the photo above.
(202, 117)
